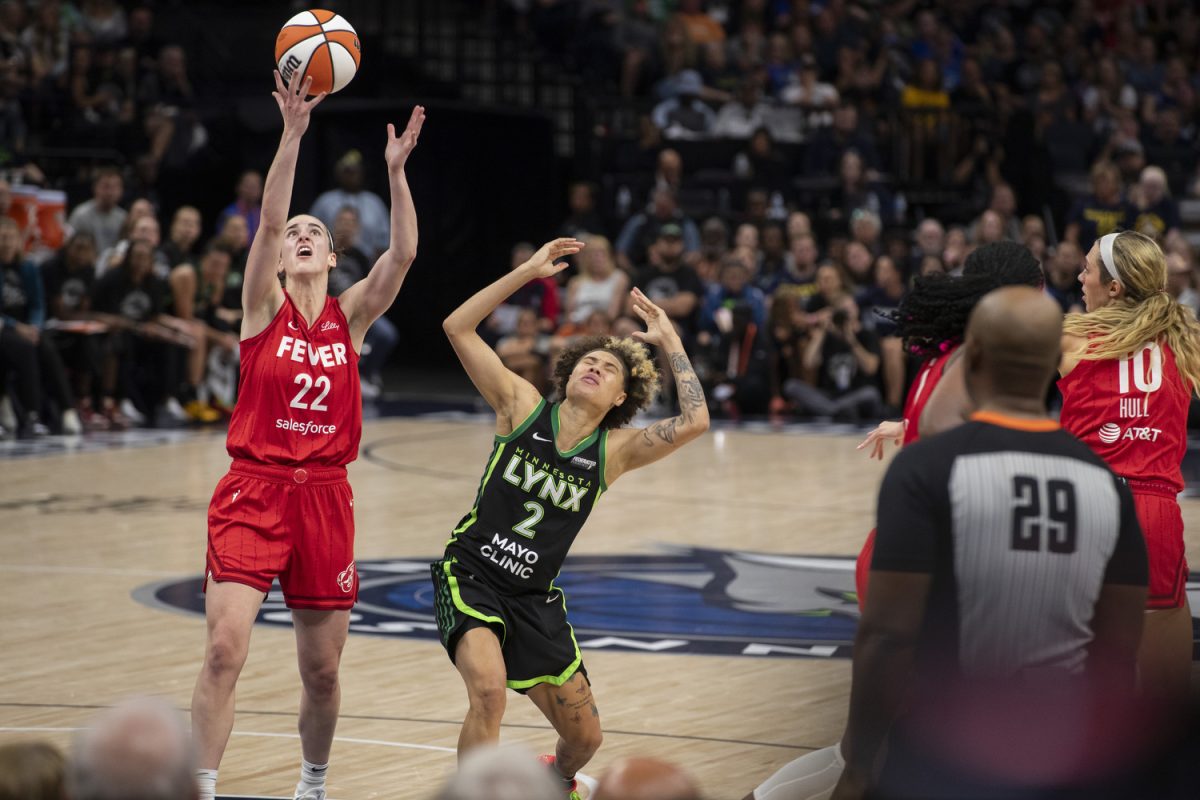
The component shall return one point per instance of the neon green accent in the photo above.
(466, 609)
(525, 526)
(487, 476)
(517, 431)
(566, 674)
(603, 452)
(577, 448)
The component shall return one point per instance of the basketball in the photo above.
(318, 44)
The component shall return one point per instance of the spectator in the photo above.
(372, 213)
(172, 124)
(859, 266)
(762, 162)
(352, 263)
(930, 241)
(540, 295)
(823, 154)
(714, 244)
(845, 359)
(788, 333)
(701, 28)
(500, 773)
(854, 192)
(149, 349)
(668, 170)
(800, 272)
(103, 21)
(926, 91)
(643, 228)
(645, 779)
(599, 286)
(955, 252)
(142, 227)
(138, 749)
(1062, 277)
(684, 115)
(669, 282)
(235, 235)
(742, 116)
(1157, 212)
(247, 203)
(733, 289)
(833, 287)
(806, 90)
(866, 228)
(583, 218)
(525, 350)
(1101, 212)
(771, 269)
(1107, 98)
(101, 216)
(184, 237)
(23, 311)
(32, 771)
(1181, 282)
(1169, 146)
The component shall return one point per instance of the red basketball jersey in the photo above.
(921, 389)
(1132, 412)
(299, 399)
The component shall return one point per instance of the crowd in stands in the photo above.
(873, 142)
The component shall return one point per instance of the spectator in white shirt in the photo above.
(372, 212)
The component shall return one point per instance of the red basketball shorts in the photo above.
(862, 568)
(296, 524)
(1162, 525)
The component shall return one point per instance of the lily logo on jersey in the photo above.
(329, 326)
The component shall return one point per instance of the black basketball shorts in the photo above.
(536, 640)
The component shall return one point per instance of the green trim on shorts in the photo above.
(470, 612)
(517, 431)
(566, 674)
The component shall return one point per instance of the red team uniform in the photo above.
(914, 405)
(285, 508)
(1133, 413)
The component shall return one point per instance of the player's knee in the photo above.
(489, 699)
(226, 655)
(320, 681)
(585, 740)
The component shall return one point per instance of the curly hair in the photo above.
(641, 376)
(932, 317)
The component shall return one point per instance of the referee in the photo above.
(1006, 592)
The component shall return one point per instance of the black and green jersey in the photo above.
(531, 504)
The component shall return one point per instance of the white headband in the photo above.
(1106, 255)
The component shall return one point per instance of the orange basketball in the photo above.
(318, 44)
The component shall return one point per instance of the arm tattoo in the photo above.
(664, 430)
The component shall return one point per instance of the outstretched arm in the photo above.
(261, 294)
(509, 395)
(636, 448)
(365, 301)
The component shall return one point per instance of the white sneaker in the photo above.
(71, 424)
(309, 794)
(131, 412)
(175, 410)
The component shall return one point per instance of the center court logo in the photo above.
(712, 602)
(1110, 432)
(686, 600)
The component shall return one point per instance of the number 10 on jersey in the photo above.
(1137, 364)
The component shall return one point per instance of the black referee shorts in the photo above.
(536, 640)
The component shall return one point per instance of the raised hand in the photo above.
(399, 148)
(292, 103)
(659, 328)
(888, 429)
(543, 260)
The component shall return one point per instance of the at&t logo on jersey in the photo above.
(1110, 433)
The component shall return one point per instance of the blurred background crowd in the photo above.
(774, 173)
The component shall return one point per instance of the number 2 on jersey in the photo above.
(525, 526)
(322, 383)
(1137, 364)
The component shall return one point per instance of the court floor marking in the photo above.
(380, 718)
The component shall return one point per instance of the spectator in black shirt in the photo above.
(1062, 277)
(352, 264)
(642, 229)
(183, 239)
(1169, 147)
(670, 283)
(844, 358)
(739, 362)
(1101, 212)
(824, 151)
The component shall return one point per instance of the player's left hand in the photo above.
(659, 328)
(888, 429)
(399, 148)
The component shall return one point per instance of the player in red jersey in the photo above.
(1130, 365)
(285, 509)
(932, 321)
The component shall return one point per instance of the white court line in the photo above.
(49, 569)
(584, 779)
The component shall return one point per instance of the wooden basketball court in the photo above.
(84, 531)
